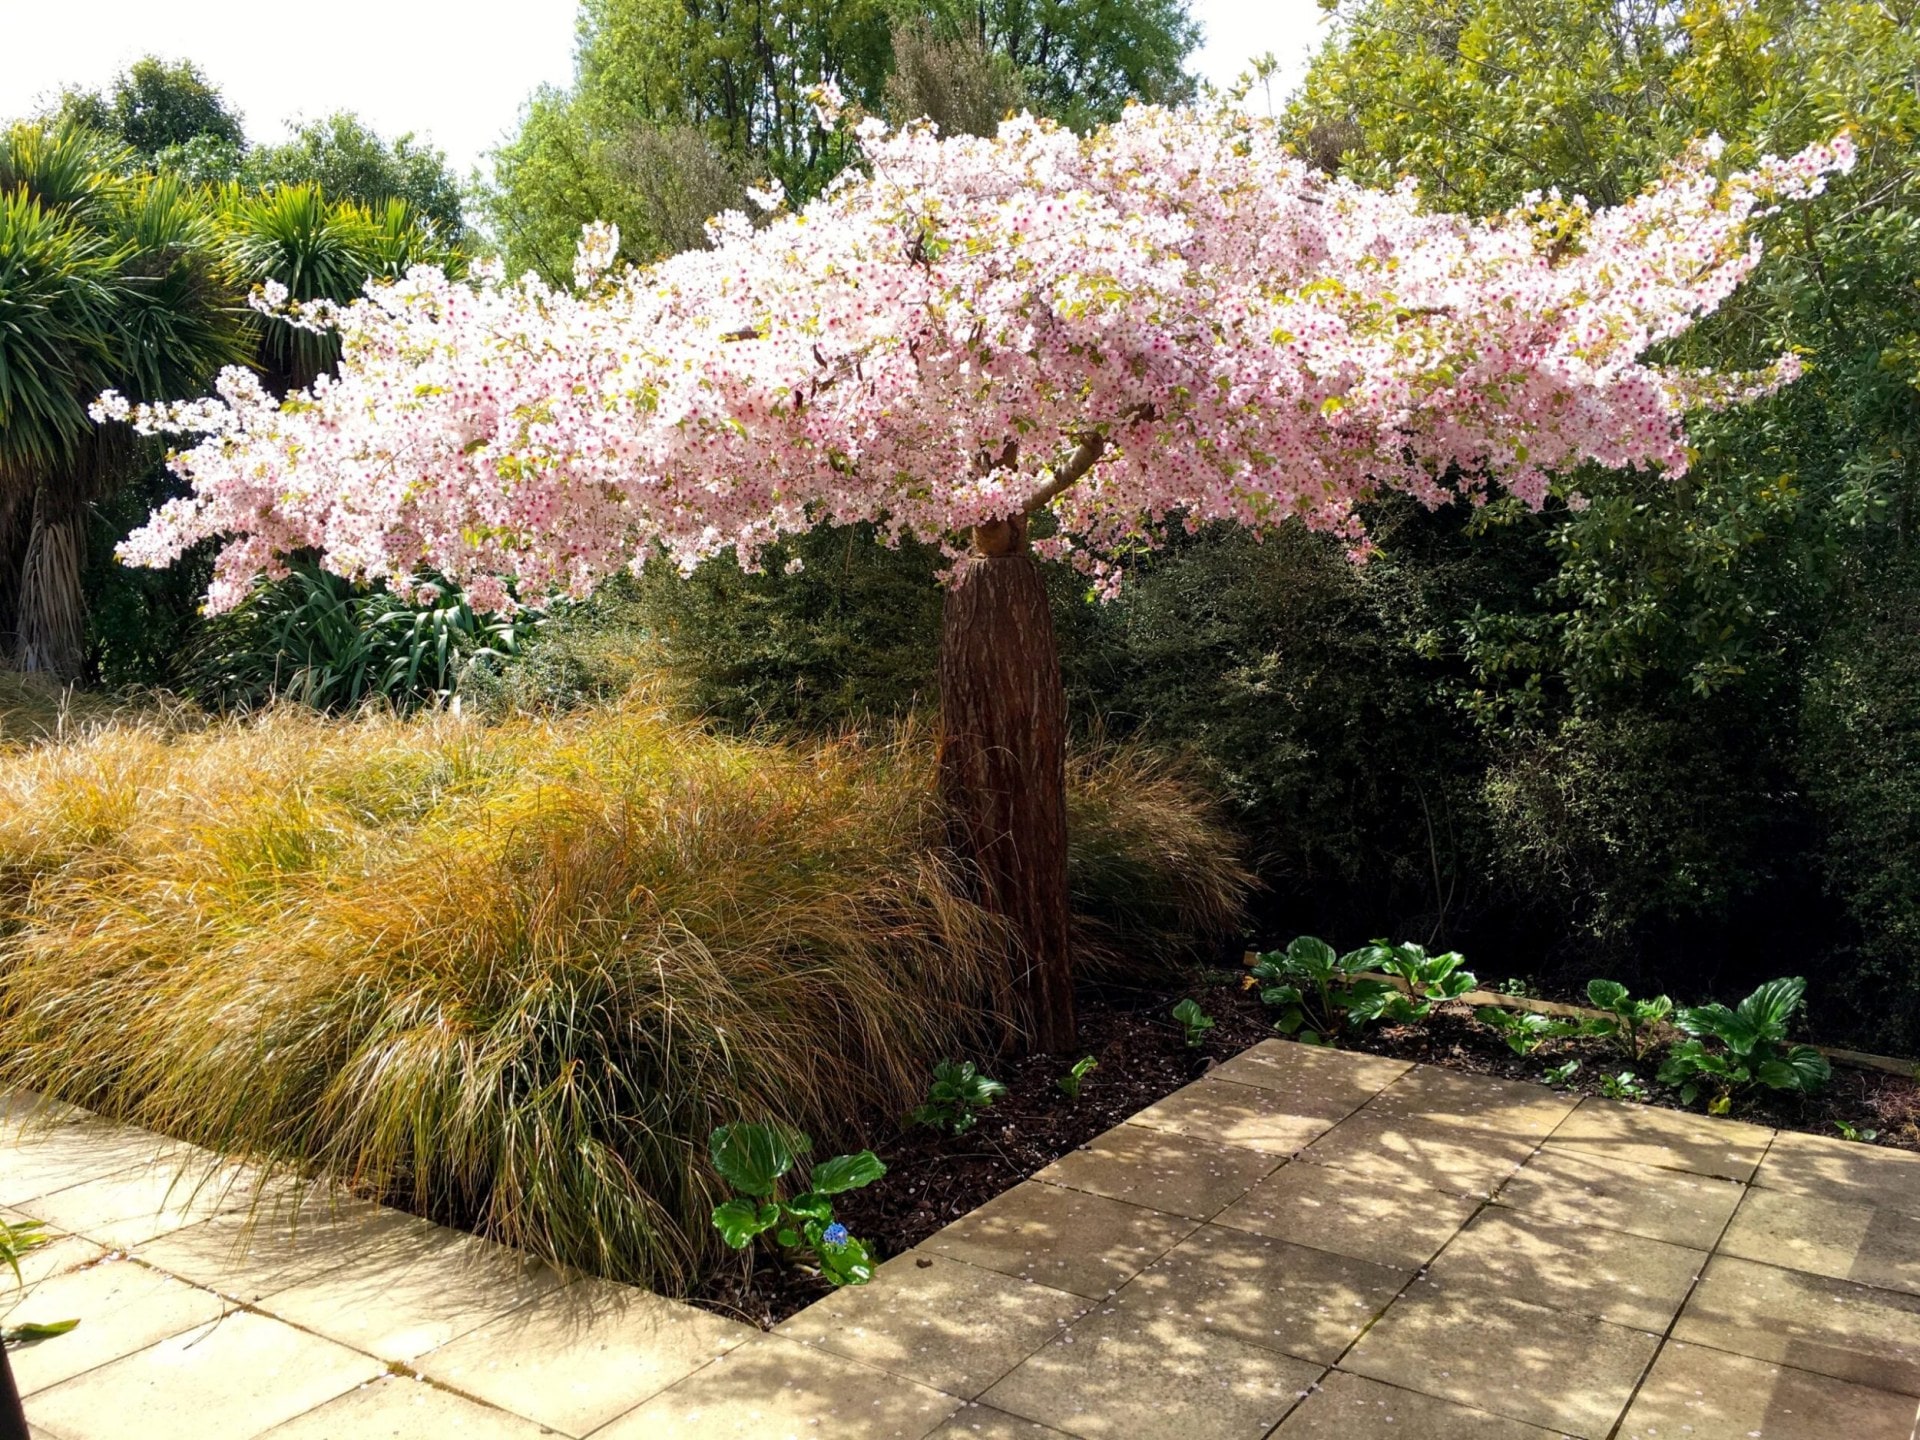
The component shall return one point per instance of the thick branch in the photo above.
(1092, 446)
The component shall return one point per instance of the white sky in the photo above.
(445, 69)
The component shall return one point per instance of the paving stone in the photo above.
(250, 1257)
(396, 1408)
(939, 1321)
(126, 1210)
(1306, 1303)
(1568, 1187)
(978, 1422)
(1567, 1373)
(1350, 1407)
(1389, 1222)
(1063, 1238)
(1834, 1169)
(1419, 1152)
(413, 1289)
(1320, 1080)
(1247, 1116)
(122, 1306)
(577, 1357)
(1869, 1244)
(1174, 1174)
(1851, 1332)
(1615, 1130)
(1627, 1279)
(1694, 1393)
(1112, 1377)
(1475, 1102)
(56, 1253)
(775, 1389)
(233, 1380)
(39, 1159)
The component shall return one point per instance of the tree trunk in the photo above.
(1003, 767)
(51, 633)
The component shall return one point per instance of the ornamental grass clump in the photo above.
(511, 976)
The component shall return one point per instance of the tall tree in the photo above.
(105, 280)
(152, 105)
(740, 74)
(1171, 318)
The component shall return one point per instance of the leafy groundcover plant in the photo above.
(957, 1096)
(1320, 992)
(756, 1159)
(1749, 1047)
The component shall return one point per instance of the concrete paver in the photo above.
(580, 1356)
(1870, 1244)
(1350, 1407)
(1063, 1238)
(411, 1290)
(1833, 1327)
(939, 1321)
(1252, 1117)
(235, 1379)
(1570, 1187)
(1568, 1373)
(773, 1388)
(1174, 1174)
(1120, 1376)
(1615, 1130)
(1828, 1168)
(1306, 1303)
(1453, 1159)
(1626, 1279)
(394, 1407)
(1387, 1221)
(1699, 1394)
(122, 1306)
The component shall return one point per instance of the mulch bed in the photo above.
(933, 1178)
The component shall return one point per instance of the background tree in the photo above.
(739, 75)
(108, 279)
(1652, 754)
(976, 339)
(154, 104)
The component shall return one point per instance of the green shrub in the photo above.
(511, 975)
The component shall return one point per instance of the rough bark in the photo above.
(51, 630)
(1003, 767)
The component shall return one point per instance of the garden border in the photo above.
(1854, 1059)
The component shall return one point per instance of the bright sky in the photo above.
(435, 67)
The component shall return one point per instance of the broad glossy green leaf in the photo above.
(740, 1221)
(754, 1157)
(846, 1172)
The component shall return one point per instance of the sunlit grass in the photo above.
(513, 974)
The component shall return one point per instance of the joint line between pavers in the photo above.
(1746, 1188)
(1480, 1208)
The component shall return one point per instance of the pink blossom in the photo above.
(1225, 332)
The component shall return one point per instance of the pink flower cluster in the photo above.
(1225, 331)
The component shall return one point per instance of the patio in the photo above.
(1302, 1244)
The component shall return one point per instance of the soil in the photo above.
(934, 1178)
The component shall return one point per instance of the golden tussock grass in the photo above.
(512, 974)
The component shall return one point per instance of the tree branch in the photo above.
(1092, 446)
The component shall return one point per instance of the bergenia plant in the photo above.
(1748, 1047)
(957, 1096)
(756, 1160)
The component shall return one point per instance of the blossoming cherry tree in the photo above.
(1037, 343)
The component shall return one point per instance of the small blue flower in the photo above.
(834, 1235)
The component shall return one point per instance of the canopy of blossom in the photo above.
(1170, 318)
